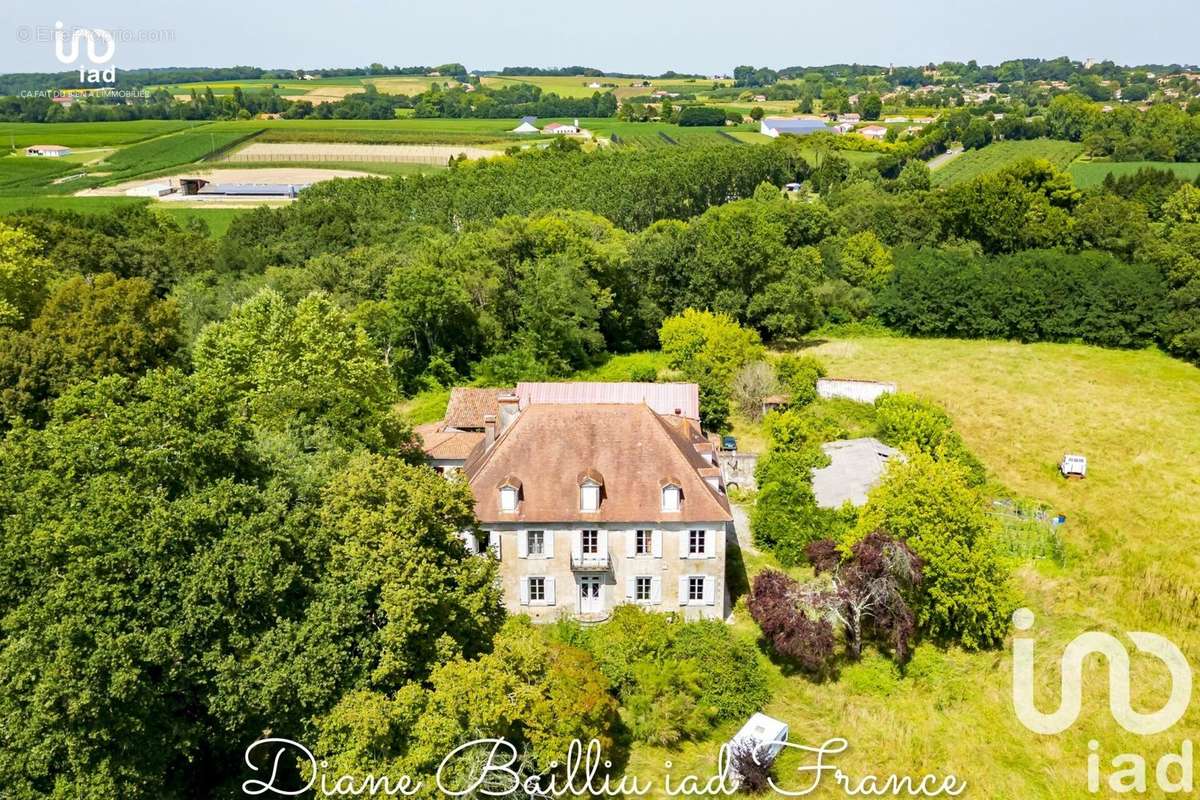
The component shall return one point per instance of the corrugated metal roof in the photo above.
(806, 125)
(670, 399)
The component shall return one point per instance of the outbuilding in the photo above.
(47, 150)
(774, 126)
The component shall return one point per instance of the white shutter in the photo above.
(656, 543)
(576, 546)
(656, 590)
(683, 544)
(522, 544)
(683, 590)
(602, 545)
(710, 584)
(524, 591)
(548, 547)
(630, 588)
(549, 590)
(630, 543)
(710, 544)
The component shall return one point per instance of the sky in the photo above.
(643, 36)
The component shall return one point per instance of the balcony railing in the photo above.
(591, 562)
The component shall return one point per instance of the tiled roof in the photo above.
(549, 446)
(447, 445)
(669, 399)
(468, 406)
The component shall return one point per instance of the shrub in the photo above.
(751, 766)
(792, 631)
(695, 116)
(798, 376)
(734, 683)
(752, 384)
(932, 507)
(905, 419)
(664, 706)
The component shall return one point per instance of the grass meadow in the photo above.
(999, 155)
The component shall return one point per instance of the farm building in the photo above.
(47, 150)
(855, 467)
(774, 126)
(876, 132)
(859, 391)
(526, 126)
(843, 127)
(558, 127)
(849, 117)
(203, 188)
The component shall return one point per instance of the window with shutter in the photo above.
(535, 544)
(695, 589)
(508, 499)
(537, 590)
(641, 589)
(642, 542)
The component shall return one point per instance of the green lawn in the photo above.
(1093, 173)
(999, 155)
(1131, 565)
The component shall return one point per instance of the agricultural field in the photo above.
(1092, 173)
(951, 710)
(20, 173)
(998, 155)
(171, 151)
(86, 134)
(398, 131)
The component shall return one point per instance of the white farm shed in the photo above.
(859, 391)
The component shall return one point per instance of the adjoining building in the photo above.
(47, 151)
(855, 467)
(774, 126)
(595, 495)
(875, 132)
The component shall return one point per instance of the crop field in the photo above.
(1093, 173)
(999, 155)
(561, 85)
(399, 131)
(1128, 566)
(19, 172)
(171, 151)
(86, 134)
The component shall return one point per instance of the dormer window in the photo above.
(589, 497)
(510, 494)
(671, 495)
(590, 484)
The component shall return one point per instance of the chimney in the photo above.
(508, 411)
(489, 431)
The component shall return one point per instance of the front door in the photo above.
(589, 594)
